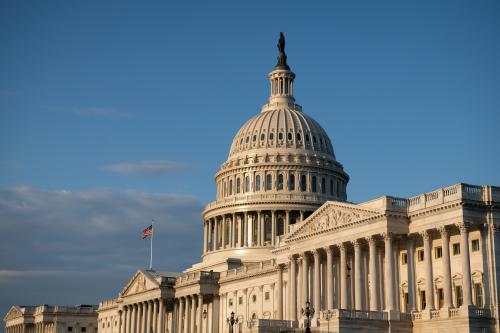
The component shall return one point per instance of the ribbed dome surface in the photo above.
(283, 128)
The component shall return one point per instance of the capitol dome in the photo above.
(281, 168)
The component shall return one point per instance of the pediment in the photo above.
(333, 216)
(139, 283)
(13, 313)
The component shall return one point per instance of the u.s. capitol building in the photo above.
(281, 232)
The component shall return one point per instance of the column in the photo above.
(120, 325)
(389, 276)
(187, 310)
(216, 235)
(287, 221)
(200, 313)
(259, 238)
(193, 313)
(161, 315)
(429, 285)
(263, 229)
(273, 227)
(145, 310)
(410, 254)
(133, 325)
(205, 236)
(329, 277)
(358, 277)
(373, 285)
(233, 230)
(223, 231)
(301, 214)
(245, 229)
(343, 277)
(139, 317)
(280, 292)
(305, 279)
(465, 256)
(128, 318)
(173, 320)
(293, 288)
(445, 238)
(317, 283)
(155, 316)
(181, 315)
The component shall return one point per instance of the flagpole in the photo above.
(152, 235)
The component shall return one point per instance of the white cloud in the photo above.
(147, 168)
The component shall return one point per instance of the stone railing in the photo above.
(479, 312)
(454, 312)
(65, 309)
(249, 198)
(354, 314)
(455, 192)
(274, 323)
(435, 314)
(416, 315)
(246, 269)
(200, 276)
(110, 303)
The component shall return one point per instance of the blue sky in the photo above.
(105, 104)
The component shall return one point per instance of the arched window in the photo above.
(230, 186)
(238, 185)
(291, 183)
(269, 182)
(323, 185)
(247, 184)
(331, 186)
(257, 183)
(224, 185)
(338, 188)
(279, 185)
(303, 183)
(314, 184)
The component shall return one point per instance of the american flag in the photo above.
(147, 232)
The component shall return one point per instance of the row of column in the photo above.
(16, 329)
(191, 315)
(245, 229)
(143, 317)
(306, 266)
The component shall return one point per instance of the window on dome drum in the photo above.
(338, 189)
(331, 186)
(269, 182)
(230, 187)
(314, 184)
(280, 225)
(475, 245)
(307, 137)
(248, 139)
(299, 138)
(247, 184)
(257, 183)
(238, 185)
(314, 139)
(290, 136)
(291, 183)
(321, 141)
(303, 183)
(280, 136)
(254, 138)
(271, 136)
(323, 185)
(262, 137)
(279, 185)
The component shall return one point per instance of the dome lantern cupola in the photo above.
(281, 78)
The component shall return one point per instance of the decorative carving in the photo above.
(443, 230)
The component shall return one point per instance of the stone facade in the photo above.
(51, 319)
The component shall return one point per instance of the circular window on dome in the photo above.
(254, 138)
(262, 136)
(307, 137)
(271, 136)
(280, 136)
(290, 136)
(299, 138)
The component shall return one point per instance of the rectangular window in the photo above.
(240, 300)
(458, 296)
(440, 298)
(420, 255)
(314, 184)
(456, 249)
(404, 258)
(291, 183)
(70, 328)
(478, 295)
(266, 295)
(331, 187)
(423, 304)
(438, 252)
(303, 183)
(230, 302)
(475, 245)
(405, 301)
(323, 185)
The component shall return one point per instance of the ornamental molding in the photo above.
(13, 313)
(333, 216)
(139, 283)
